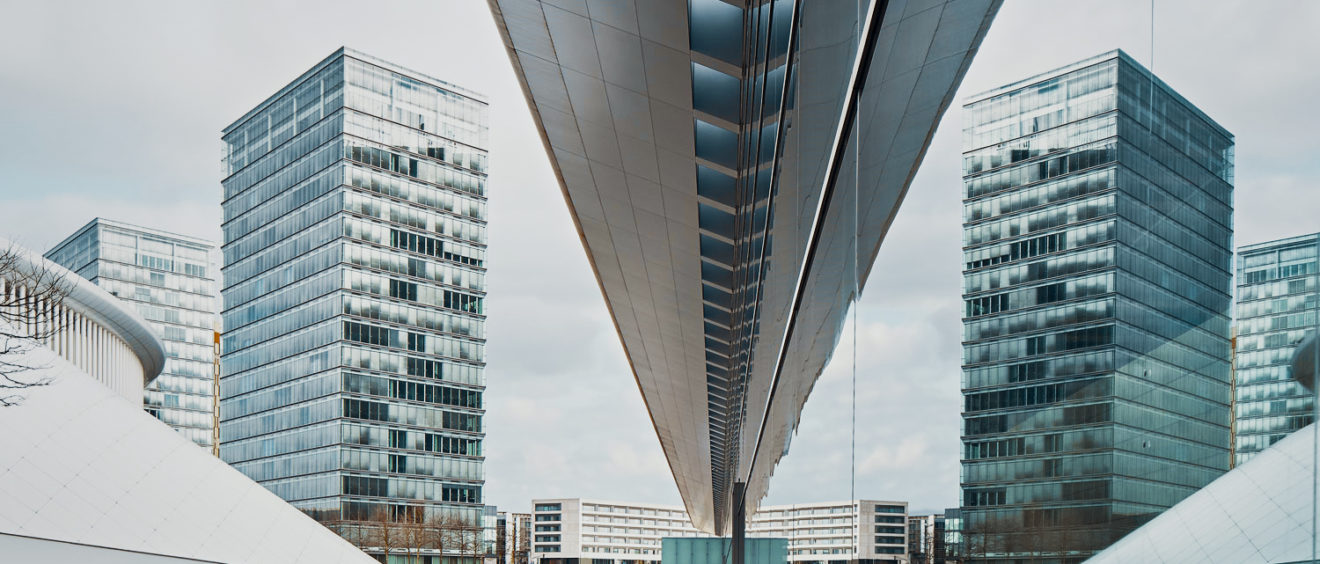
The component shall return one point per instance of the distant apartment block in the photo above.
(1276, 308)
(1097, 243)
(926, 539)
(170, 281)
(513, 539)
(819, 533)
(578, 531)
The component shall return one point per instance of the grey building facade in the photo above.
(169, 280)
(1276, 308)
(352, 372)
(1097, 249)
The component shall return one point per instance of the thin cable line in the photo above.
(857, 181)
(852, 484)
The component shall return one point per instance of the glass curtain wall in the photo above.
(1097, 237)
(355, 260)
(1276, 309)
(169, 280)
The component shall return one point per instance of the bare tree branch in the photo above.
(407, 531)
(31, 305)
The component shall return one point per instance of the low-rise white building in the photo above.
(584, 531)
(88, 476)
(824, 532)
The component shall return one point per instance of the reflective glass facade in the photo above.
(170, 281)
(1262, 511)
(352, 372)
(1276, 308)
(1097, 250)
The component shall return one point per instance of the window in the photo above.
(548, 517)
(403, 290)
(416, 342)
(432, 247)
(890, 509)
(368, 334)
(398, 464)
(1257, 276)
(1051, 293)
(425, 368)
(547, 507)
(987, 305)
(984, 497)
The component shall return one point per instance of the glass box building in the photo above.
(715, 550)
(168, 279)
(1276, 308)
(1097, 245)
(354, 286)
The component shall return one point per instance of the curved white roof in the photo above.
(98, 305)
(83, 466)
(1258, 512)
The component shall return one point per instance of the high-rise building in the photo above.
(1097, 245)
(354, 268)
(1276, 308)
(169, 280)
(571, 531)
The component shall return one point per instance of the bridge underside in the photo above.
(732, 170)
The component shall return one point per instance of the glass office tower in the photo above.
(1098, 242)
(354, 287)
(1276, 308)
(168, 279)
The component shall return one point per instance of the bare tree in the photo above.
(31, 306)
(451, 534)
(521, 538)
(385, 533)
(409, 532)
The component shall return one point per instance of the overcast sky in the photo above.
(114, 109)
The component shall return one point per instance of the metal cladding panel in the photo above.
(610, 85)
(896, 120)
(621, 200)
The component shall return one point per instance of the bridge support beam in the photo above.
(739, 522)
